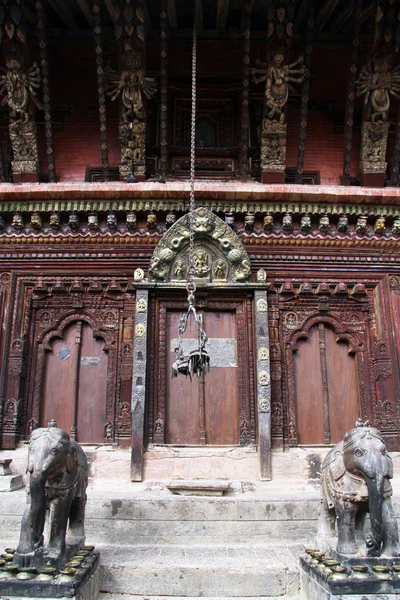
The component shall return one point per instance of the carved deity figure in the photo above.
(18, 87)
(131, 86)
(201, 263)
(376, 82)
(277, 77)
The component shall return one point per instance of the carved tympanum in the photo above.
(219, 254)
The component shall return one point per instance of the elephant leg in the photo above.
(32, 525)
(390, 529)
(59, 513)
(77, 519)
(346, 525)
(326, 526)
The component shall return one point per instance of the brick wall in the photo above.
(73, 83)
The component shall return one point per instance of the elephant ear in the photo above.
(71, 460)
(337, 466)
(390, 466)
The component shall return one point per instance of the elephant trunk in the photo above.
(37, 510)
(375, 496)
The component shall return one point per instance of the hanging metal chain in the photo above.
(198, 361)
(191, 286)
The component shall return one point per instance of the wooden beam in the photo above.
(243, 21)
(64, 13)
(199, 14)
(325, 14)
(85, 8)
(171, 9)
(301, 15)
(342, 18)
(222, 14)
(111, 10)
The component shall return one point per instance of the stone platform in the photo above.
(159, 546)
(83, 585)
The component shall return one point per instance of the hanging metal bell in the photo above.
(199, 363)
(180, 367)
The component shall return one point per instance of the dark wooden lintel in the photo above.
(324, 14)
(111, 9)
(64, 13)
(85, 8)
(171, 9)
(222, 14)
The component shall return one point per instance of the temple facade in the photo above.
(296, 228)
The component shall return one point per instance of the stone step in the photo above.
(106, 596)
(117, 518)
(200, 571)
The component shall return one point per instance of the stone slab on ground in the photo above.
(11, 483)
(200, 571)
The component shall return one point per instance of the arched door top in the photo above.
(219, 254)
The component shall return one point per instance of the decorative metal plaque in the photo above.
(222, 351)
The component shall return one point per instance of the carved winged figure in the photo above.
(277, 77)
(18, 85)
(130, 84)
(376, 82)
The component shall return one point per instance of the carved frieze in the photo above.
(387, 416)
(382, 364)
(219, 254)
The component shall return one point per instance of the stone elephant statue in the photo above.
(57, 480)
(356, 477)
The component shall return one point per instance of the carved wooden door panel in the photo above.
(220, 412)
(75, 383)
(204, 413)
(326, 386)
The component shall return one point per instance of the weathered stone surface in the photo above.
(86, 588)
(312, 590)
(198, 487)
(11, 483)
(107, 596)
(200, 571)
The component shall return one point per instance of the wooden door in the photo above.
(204, 413)
(75, 377)
(326, 385)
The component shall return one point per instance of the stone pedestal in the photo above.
(82, 585)
(317, 584)
(373, 153)
(273, 152)
(8, 481)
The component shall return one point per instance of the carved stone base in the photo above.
(25, 171)
(373, 147)
(267, 177)
(273, 147)
(372, 179)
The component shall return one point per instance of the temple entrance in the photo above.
(328, 402)
(220, 411)
(204, 412)
(75, 383)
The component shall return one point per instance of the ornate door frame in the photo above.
(222, 274)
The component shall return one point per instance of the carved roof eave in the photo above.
(220, 197)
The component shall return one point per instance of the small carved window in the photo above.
(307, 177)
(206, 134)
(95, 174)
